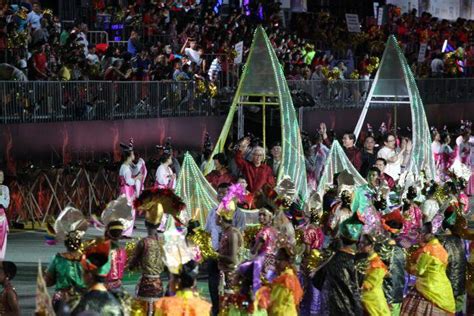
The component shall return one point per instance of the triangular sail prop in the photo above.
(263, 77)
(395, 84)
(337, 162)
(199, 196)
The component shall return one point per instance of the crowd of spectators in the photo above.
(163, 40)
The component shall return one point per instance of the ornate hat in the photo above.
(351, 228)
(228, 205)
(70, 220)
(393, 221)
(156, 202)
(96, 258)
(117, 211)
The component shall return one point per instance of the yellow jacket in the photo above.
(373, 297)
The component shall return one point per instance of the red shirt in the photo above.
(256, 177)
(354, 156)
(40, 60)
(217, 177)
(389, 179)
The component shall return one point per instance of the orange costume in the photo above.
(185, 303)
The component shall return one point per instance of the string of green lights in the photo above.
(195, 190)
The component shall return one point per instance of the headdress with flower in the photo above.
(228, 205)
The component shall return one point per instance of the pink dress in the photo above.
(413, 222)
(118, 261)
(264, 262)
(446, 160)
(128, 187)
(4, 229)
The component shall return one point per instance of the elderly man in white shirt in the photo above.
(393, 158)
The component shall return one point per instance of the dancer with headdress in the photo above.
(115, 219)
(264, 248)
(4, 203)
(337, 278)
(65, 270)
(183, 274)
(313, 240)
(284, 292)
(165, 178)
(433, 294)
(392, 253)
(372, 294)
(129, 180)
(96, 266)
(149, 254)
(457, 263)
(230, 243)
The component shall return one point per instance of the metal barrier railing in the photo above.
(49, 101)
(97, 37)
(353, 93)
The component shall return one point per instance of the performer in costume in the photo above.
(447, 156)
(265, 247)
(148, 258)
(230, 244)
(165, 177)
(430, 206)
(365, 194)
(115, 218)
(285, 290)
(313, 240)
(4, 203)
(433, 294)
(394, 282)
(244, 302)
(187, 300)
(369, 202)
(436, 149)
(118, 255)
(457, 263)
(340, 211)
(129, 182)
(337, 278)
(96, 265)
(8, 298)
(413, 215)
(373, 297)
(149, 254)
(65, 270)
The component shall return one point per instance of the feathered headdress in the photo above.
(351, 228)
(228, 205)
(156, 202)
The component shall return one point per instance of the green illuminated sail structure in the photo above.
(199, 196)
(395, 85)
(337, 162)
(263, 79)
